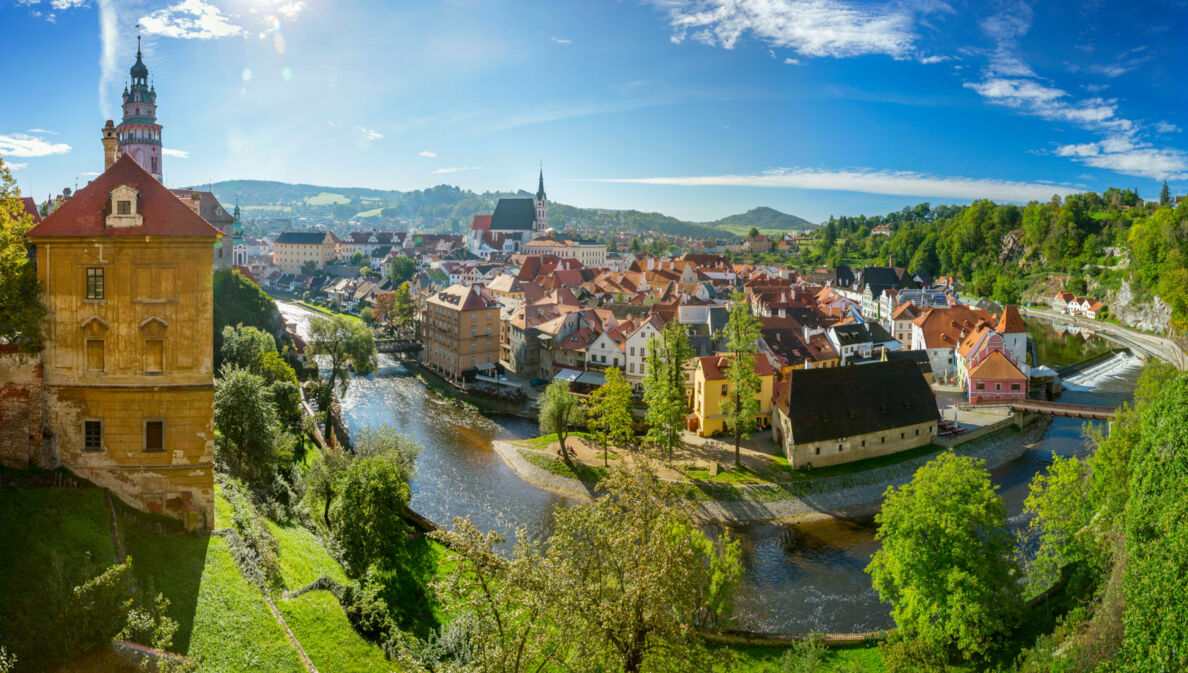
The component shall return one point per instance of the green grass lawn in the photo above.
(320, 625)
(326, 199)
(546, 461)
(755, 659)
(541, 443)
(303, 559)
(224, 621)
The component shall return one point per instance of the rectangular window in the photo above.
(818, 450)
(92, 435)
(154, 435)
(631, 367)
(94, 283)
(154, 355)
(95, 355)
(473, 347)
(839, 448)
(1015, 386)
(723, 389)
(123, 207)
(633, 350)
(998, 386)
(981, 386)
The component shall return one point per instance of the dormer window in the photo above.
(123, 208)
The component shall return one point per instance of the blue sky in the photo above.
(696, 108)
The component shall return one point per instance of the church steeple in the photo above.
(542, 205)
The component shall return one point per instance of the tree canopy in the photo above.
(20, 293)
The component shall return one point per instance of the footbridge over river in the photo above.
(1060, 409)
(397, 346)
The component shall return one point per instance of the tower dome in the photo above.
(139, 70)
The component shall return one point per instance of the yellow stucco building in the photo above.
(125, 269)
(711, 388)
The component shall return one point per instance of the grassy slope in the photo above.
(767, 660)
(224, 621)
(316, 618)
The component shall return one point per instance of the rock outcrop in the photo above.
(1153, 316)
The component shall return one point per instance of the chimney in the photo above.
(111, 145)
(194, 202)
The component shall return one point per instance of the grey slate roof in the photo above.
(514, 215)
(828, 403)
(304, 237)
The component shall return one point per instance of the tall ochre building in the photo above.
(126, 375)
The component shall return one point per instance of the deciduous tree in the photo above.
(664, 387)
(246, 421)
(20, 293)
(740, 409)
(609, 415)
(559, 412)
(947, 563)
(348, 345)
(369, 512)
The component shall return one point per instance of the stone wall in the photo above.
(21, 444)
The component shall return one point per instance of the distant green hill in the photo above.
(451, 209)
(766, 220)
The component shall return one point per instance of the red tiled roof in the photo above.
(714, 366)
(1010, 322)
(481, 222)
(997, 367)
(84, 214)
(31, 208)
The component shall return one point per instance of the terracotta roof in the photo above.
(481, 222)
(30, 207)
(462, 298)
(579, 340)
(84, 214)
(997, 367)
(714, 367)
(906, 311)
(1010, 322)
(946, 327)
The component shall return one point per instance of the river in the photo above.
(798, 578)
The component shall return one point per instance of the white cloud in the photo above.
(929, 60)
(290, 10)
(427, 154)
(333, 124)
(24, 145)
(14, 166)
(440, 171)
(1166, 127)
(867, 181)
(369, 134)
(561, 40)
(43, 132)
(180, 154)
(189, 19)
(1122, 154)
(791, 61)
(89, 174)
(810, 27)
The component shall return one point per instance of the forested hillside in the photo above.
(1100, 245)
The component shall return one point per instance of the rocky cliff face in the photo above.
(1153, 316)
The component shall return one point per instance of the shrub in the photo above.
(366, 610)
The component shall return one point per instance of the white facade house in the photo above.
(637, 348)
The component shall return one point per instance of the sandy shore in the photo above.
(847, 496)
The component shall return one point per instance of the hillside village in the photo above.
(186, 488)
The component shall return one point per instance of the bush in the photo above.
(366, 610)
(368, 515)
(914, 655)
(254, 547)
(806, 656)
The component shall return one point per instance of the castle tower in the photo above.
(542, 212)
(139, 133)
(238, 245)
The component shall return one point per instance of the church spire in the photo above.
(542, 212)
(540, 192)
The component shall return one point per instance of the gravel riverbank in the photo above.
(842, 496)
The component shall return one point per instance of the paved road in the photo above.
(1148, 345)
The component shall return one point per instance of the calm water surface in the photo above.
(798, 578)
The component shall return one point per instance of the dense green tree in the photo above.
(20, 293)
(947, 563)
(1062, 509)
(357, 258)
(401, 268)
(664, 387)
(752, 233)
(1164, 195)
(322, 482)
(609, 413)
(244, 347)
(239, 301)
(245, 419)
(740, 408)
(1156, 527)
(369, 512)
(560, 411)
(403, 308)
(309, 268)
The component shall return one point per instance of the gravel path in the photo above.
(840, 496)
